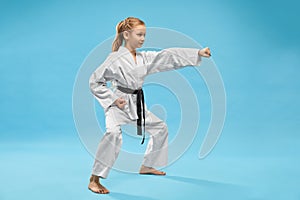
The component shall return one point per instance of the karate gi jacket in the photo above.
(122, 70)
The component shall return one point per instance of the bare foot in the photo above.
(151, 171)
(96, 187)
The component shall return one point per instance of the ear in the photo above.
(126, 35)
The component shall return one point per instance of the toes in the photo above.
(160, 173)
(95, 190)
(99, 190)
(104, 191)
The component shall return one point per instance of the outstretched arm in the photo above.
(173, 58)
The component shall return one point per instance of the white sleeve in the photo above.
(172, 58)
(97, 81)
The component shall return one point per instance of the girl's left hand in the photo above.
(205, 52)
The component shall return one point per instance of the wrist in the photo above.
(199, 52)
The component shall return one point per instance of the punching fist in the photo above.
(205, 52)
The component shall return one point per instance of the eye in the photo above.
(141, 34)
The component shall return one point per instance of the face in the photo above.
(136, 37)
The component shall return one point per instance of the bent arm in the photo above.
(97, 81)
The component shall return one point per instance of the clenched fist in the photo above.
(120, 102)
(205, 52)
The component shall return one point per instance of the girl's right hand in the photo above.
(205, 52)
(120, 102)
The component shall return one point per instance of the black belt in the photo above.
(140, 104)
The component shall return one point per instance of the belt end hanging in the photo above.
(144, 132)
(143, 140)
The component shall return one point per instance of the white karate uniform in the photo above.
(121, 69)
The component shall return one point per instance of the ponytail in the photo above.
(119, 36)
(126, 25)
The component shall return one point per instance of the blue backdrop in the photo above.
(255, 45)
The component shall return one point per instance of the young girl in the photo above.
(127, 68)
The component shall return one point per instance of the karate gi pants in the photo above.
(156, 154)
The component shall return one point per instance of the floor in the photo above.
(59, 169)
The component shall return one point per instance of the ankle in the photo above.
(94, 178)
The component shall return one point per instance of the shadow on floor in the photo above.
(200, 182)
(123, 196)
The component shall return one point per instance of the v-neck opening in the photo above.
(124, 49)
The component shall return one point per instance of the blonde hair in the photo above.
(126, 25)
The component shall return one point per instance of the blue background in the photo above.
(255, 45)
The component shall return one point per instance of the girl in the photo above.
(126, 68)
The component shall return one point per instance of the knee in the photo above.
(114, 133)
(163, 127)
(162, 134)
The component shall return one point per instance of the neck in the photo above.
(132, 50)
